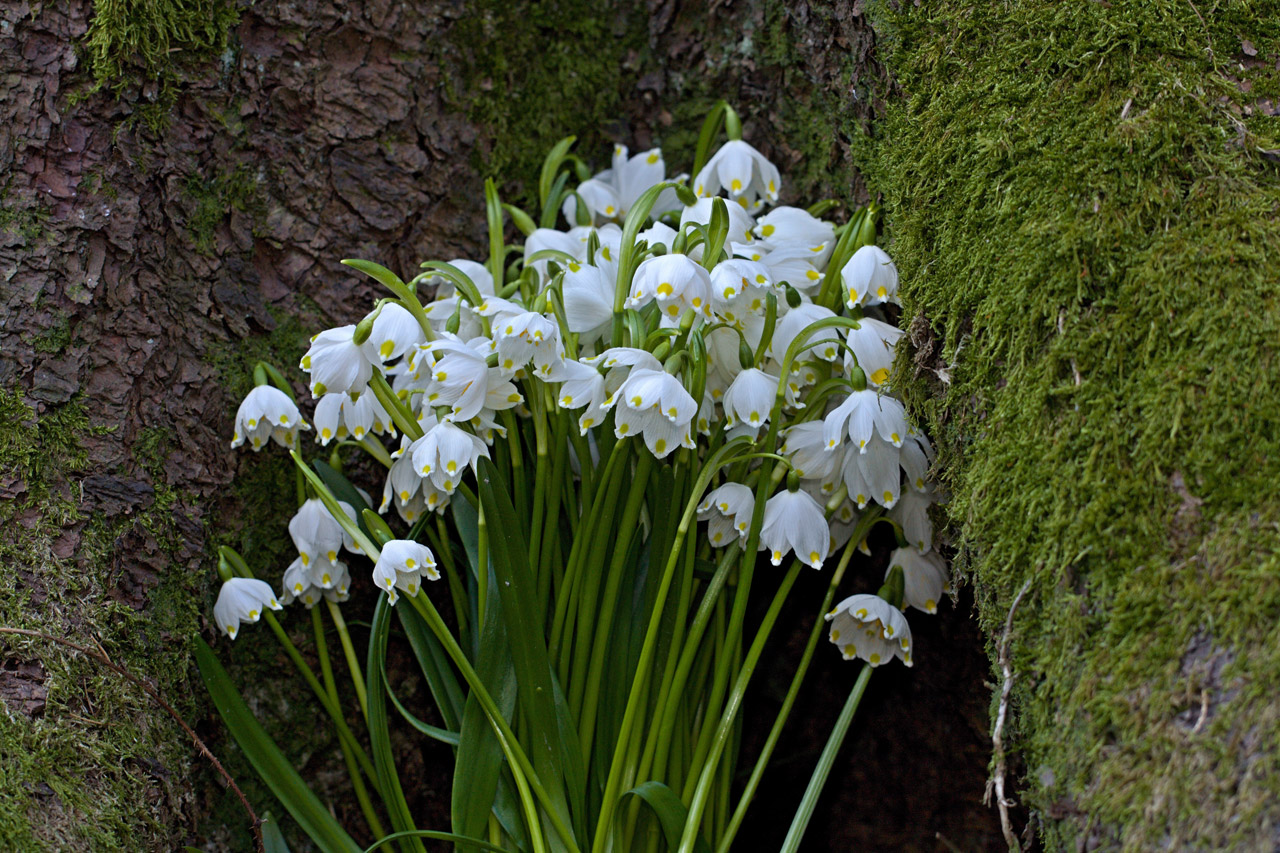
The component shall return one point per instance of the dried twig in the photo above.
(997, 741)
(159, 700)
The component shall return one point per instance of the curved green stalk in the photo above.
(353, 663)
(353, 770)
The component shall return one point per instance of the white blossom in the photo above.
(870, 278)
(794, 521)
(337, 363)
(750, 398)
(742, 171)
(727, 511)
(924, 577)
(870, 628)
(242, 600)
(402, 564)
(267, 413)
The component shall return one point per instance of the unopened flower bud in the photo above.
(746, 357)
(894, 587)
(793, 296)
(858, 379)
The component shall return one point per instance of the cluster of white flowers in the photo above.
(743, 277)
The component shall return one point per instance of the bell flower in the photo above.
(736, 285)
(582, 385)
(750, 398)
(727, 511)
(740, 223)
(394, 331)
(337, 416)
(242, 600)
(873, 475)
(924, 577)
(598, 201)
(870, 628)
(401, 566)
(526, 337)
(912, 513)
(301, 583)
(461, 378)
(870, 278)
(872, 344)
(267, 413)
(588, 301)
(654, 404)
(793, 226)
(445, 453)
(632, 176)
(794, 521)
(740, 170)
(860, 413)
(675, 281)
(337, 363)
(799, 266)
(797, 320)
(807, 451)
(317, 534)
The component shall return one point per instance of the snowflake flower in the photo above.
(870, 628)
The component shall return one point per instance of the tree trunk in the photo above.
(182, 182)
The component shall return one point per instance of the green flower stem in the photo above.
(639, 682)
(353, 663)
(766, 752)
(457, 594)
(540, 488)
(608, 608)
(592, 569)
(525, 776)
(561, 625)
(724, 729)
(334, 711)
(801, 820)
(520, 490)
(674, 694)
(552, 570)
(400, 414)
(482, 566)
(377, 450)
(353, 770)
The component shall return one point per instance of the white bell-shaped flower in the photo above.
(798, 266)
(547, 238)
(337, 363)
(807, 451)
(582, 385)
(242, 600)
(870, 628)
(337, 416)
(740, 223)
(300, 582)
(924, 577)
(793, 226)
(873, 475)
(460, 377)
(394, 331)
(740, 170)
(738, 288)
(861, 413)
(727, 511)
(267, 414)
(598, 201)
(870, 278)
(675, 281)
(750, 398)
(796, 320)
(317, 534)
(912, 513)
(526, 337)
(632, 176)
(402, 565)
(794, 521)
(653, 404)
(445, 453)
(588, 301)
(872, 344)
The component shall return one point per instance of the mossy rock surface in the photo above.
(1082, 200)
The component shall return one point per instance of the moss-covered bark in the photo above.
(1083, 202)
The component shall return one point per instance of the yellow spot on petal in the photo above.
(652, 158)
(850, 650)
(410, 563)
(736, 185)
(888, 497)
(931, 606)
(387, 348)
(874, 659)
(333, 555)
(623, 429)
(325, 579)
(665, 289)
(253, 614)
(880, 376)
(767, 230)
(660, 445)
(814, 557)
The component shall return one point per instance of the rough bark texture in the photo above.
(175, 206)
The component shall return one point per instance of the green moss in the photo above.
(134, 42)
(98, 767)
(1080, 205)
(213, 200)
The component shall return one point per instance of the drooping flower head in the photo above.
(870, 628)
(266, 414)
(242, 600)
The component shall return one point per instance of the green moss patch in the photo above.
(1083, 202)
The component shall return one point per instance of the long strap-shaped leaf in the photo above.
(670, 811)
(379, 731)
(311, 815)
(525, 631)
